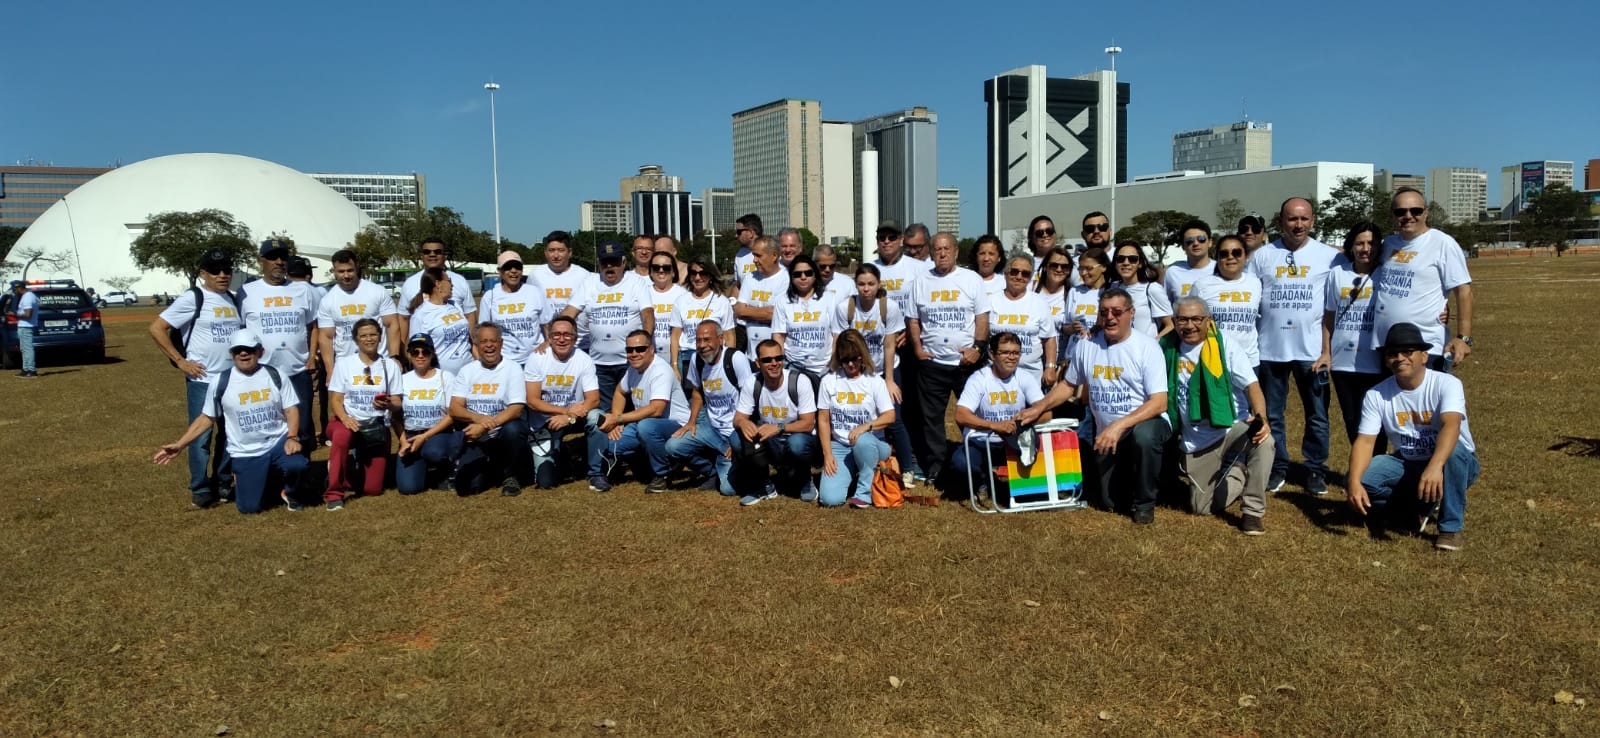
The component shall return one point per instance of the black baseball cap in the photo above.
(214, 259)
(299, 266)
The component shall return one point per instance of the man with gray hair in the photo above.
(915, 241)
(1217, 407)
(760, 289)
(789, 246)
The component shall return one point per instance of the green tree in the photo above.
(1552, 218)
(174, 241)
(1229, 213)
(56, 261)
(9, 236)
(1352, 201)
(808, 240)
(120, 284)
(1157, 230)
(399, 233)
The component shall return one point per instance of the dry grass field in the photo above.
(565, 612)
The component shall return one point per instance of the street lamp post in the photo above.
(494, 154)
(1113, 51)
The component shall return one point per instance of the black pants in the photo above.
(1133, 471)
(487, 462)
(1350, 388)
(934, 385)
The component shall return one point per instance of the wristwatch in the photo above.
(1466, 340)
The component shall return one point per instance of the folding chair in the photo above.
(1054, 481)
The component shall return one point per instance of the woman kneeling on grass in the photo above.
(358, 395)
(853, 408)
(427, 440)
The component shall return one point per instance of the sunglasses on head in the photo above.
(1042, 232)
(1415, 212)
(770, 359)
(638, 349)
(1100, 227)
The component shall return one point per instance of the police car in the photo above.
(67, 321)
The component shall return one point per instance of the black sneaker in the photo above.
(510, 488)
(1252, 526)
(1316, 486)
(710, 484)
(335, 505)
(291, 503)
(1144, 516)
(203, 500)
(1275, 482)
(657, 485)
(1449, 541)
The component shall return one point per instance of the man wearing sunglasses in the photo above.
(827, 261)
(283, 314)
(759, 290)
(1180, 278)
(1096, 231)
(652, 389)
(915, 242)
(746, 230)
(434, 254)
(705, 440)
(1422, 268)
(778, 413)
(1253, 229)
(614, 304)
(206, 318)
(1294, 273)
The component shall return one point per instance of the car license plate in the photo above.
(55, 324)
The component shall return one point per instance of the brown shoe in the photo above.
(1251, 526)
(1449, 541)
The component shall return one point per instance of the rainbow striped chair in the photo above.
(1054, 481)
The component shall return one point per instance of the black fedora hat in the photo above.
(1405, 336)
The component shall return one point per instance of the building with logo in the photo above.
(1230, 148)
(26, 190)
(777, 164)
(676, 214)
(1521, 183)
(1463, 192)
(377, 194)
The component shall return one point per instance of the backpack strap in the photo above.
(727, 368)
(199, 301)
(216, 398)
(794, 390)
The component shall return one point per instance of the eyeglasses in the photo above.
(804, 273)
(242, 350)
(1127, 259)
(1251, 228)
(433, 252)
(1194, 240)
(638, 349)
(1189, 319)
(770, 359)
(1042, 232)
(911, 245)
(821, 265)
(1009, 352)
(419, 351)
(1059, 266)
(1415, 212)
(564, 334)
(1020, 272)
(1230, 253)
(1093, 227)
(661, 268)
(1115, 312)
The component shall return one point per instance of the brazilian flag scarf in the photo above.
(1210, 396)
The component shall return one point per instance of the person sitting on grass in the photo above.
(428, 440)
(989, 405)
(778, 412)
(659, 409)
(563, 392)
(488, 399)
(259, 410)
(853, 409)
(359, 391)
(1424, 415)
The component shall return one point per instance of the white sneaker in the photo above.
(908, 480)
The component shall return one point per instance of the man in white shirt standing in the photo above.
(434, 254)
(705, 440)
(948, 324)
(1180, 278)
(747, 229)
(207, 317)
(558, 277)
(615, 303)
(350, 299)
(282, 313)
(487, 402)
(777, 413)
(1421, 268)
(659, 410)
(760, 289)
(1294, 272)
(1423, 413)
(25, 309)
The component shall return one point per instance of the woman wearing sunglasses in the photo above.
(1347, 325)
(1026, 316)
(428, 440)
(702, 301)
(1052, 279)
(664, 294)
(802, 322)
(1234, 296)
(359, 397)
(434, 314)
(1152, 311)
(878, 319)
(853, 409)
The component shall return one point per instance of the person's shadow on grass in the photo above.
(1329, 512)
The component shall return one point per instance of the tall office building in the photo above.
(1462, 191)
(1054, 135)
(720, 212)
(377, 194)
(1230, 148)
(907, 146)
(675, 214)
(1388, 181)
(651, 177)
(949, 218)
(840, 191)
(777, 163)
(26, 191)
(1521, 183)
(609, 216)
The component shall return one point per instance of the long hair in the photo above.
(987, 239)
(431, 277)
(704, 264)
(1146, 271)
(1044, 268)
(851, 344)
(872, 269)
(1365, 226)
(1099, 256)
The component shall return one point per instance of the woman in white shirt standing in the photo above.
(1082, 302)
(985, 259)
(433, 313)
(1152, 311)
(358, 396)
(664, 294)
(427, 439)
(702, 301)
(1347, 324)
(878, 319)
(802, 322)
(853, 409)
(1026, 316)
(1234, 298)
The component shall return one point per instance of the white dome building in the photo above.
(99, 221)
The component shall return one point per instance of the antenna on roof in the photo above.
(1244, 107)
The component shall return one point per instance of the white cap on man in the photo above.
(244, 338)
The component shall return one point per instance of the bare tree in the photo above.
(56, 261)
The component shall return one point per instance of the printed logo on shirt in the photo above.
(1007, 397)
(1185, 365)
(713, 385)
(946, 295)
(451, 318)
(559, 380)
(491, 388)
(774, 413)
(1413, 417)
(807, 316)
(1235, 296)
(254, 396)
(277, 301)
(850, 398)
(1083, 309)
(422, 394)
(1012, 319)
(1404, 257)
(503, 309)
(663, 310)
(558, 293)
(1289, 272)
(700, 314)
(1102, 371)
(761, 295)
(1344, 293)
(366, 380)
(638, 395)
(608, 297)
(867, 326)
(893, 285)
(1184, 290)
(224, 312)
(346, 311)
(749, 268)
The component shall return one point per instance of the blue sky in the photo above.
(592, 90)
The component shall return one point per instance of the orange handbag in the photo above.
(887, 489)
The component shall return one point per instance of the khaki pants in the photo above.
(1213, 488)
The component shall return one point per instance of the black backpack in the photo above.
(727, 368)
(180, 338)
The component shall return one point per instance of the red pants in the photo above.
(365, 472)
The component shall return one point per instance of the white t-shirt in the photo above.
(425, 401)
(252, 410)
(521, 316)
(1292, 285)
(1412, 419)
(214, 325)
(1198, 436)
(852, 402)
(721, 397)
(281, 316)
(490, 391)
(460, 292)
(758, 292)
(807, 328)
(995, 284)
(452, 337)
(1349, 299)
(899, 280)
(657, 382)
(875, 324)
(314, 293)
(997, 400)
(29, 303)
(840, 287)
(1028, 317)
(351, 376)
(664, 303)
(558, 288)
(1149, 305)
(947, 307)
(1121, 376)
(744, 265)
(340, 310)
(614, 311)
(1180, 279)
(562, 383)
(775, 405)
(1236, 307)
(690, 311)
(1414, 281)
(1080, 304)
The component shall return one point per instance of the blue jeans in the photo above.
(201, 479)
(649, 435)
(25, 341)
(1274, 376)
(1388, 476)
(256, 477)
(608, 377)
(974, 447)
(860, 460)
(488, 462)
(411, 471)
(793, 455)
(546, 466)
(307, 432)
(705, 451)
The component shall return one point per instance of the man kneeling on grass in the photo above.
(259, 409)
(488, 401)
(659, 409)
(1423, 413)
